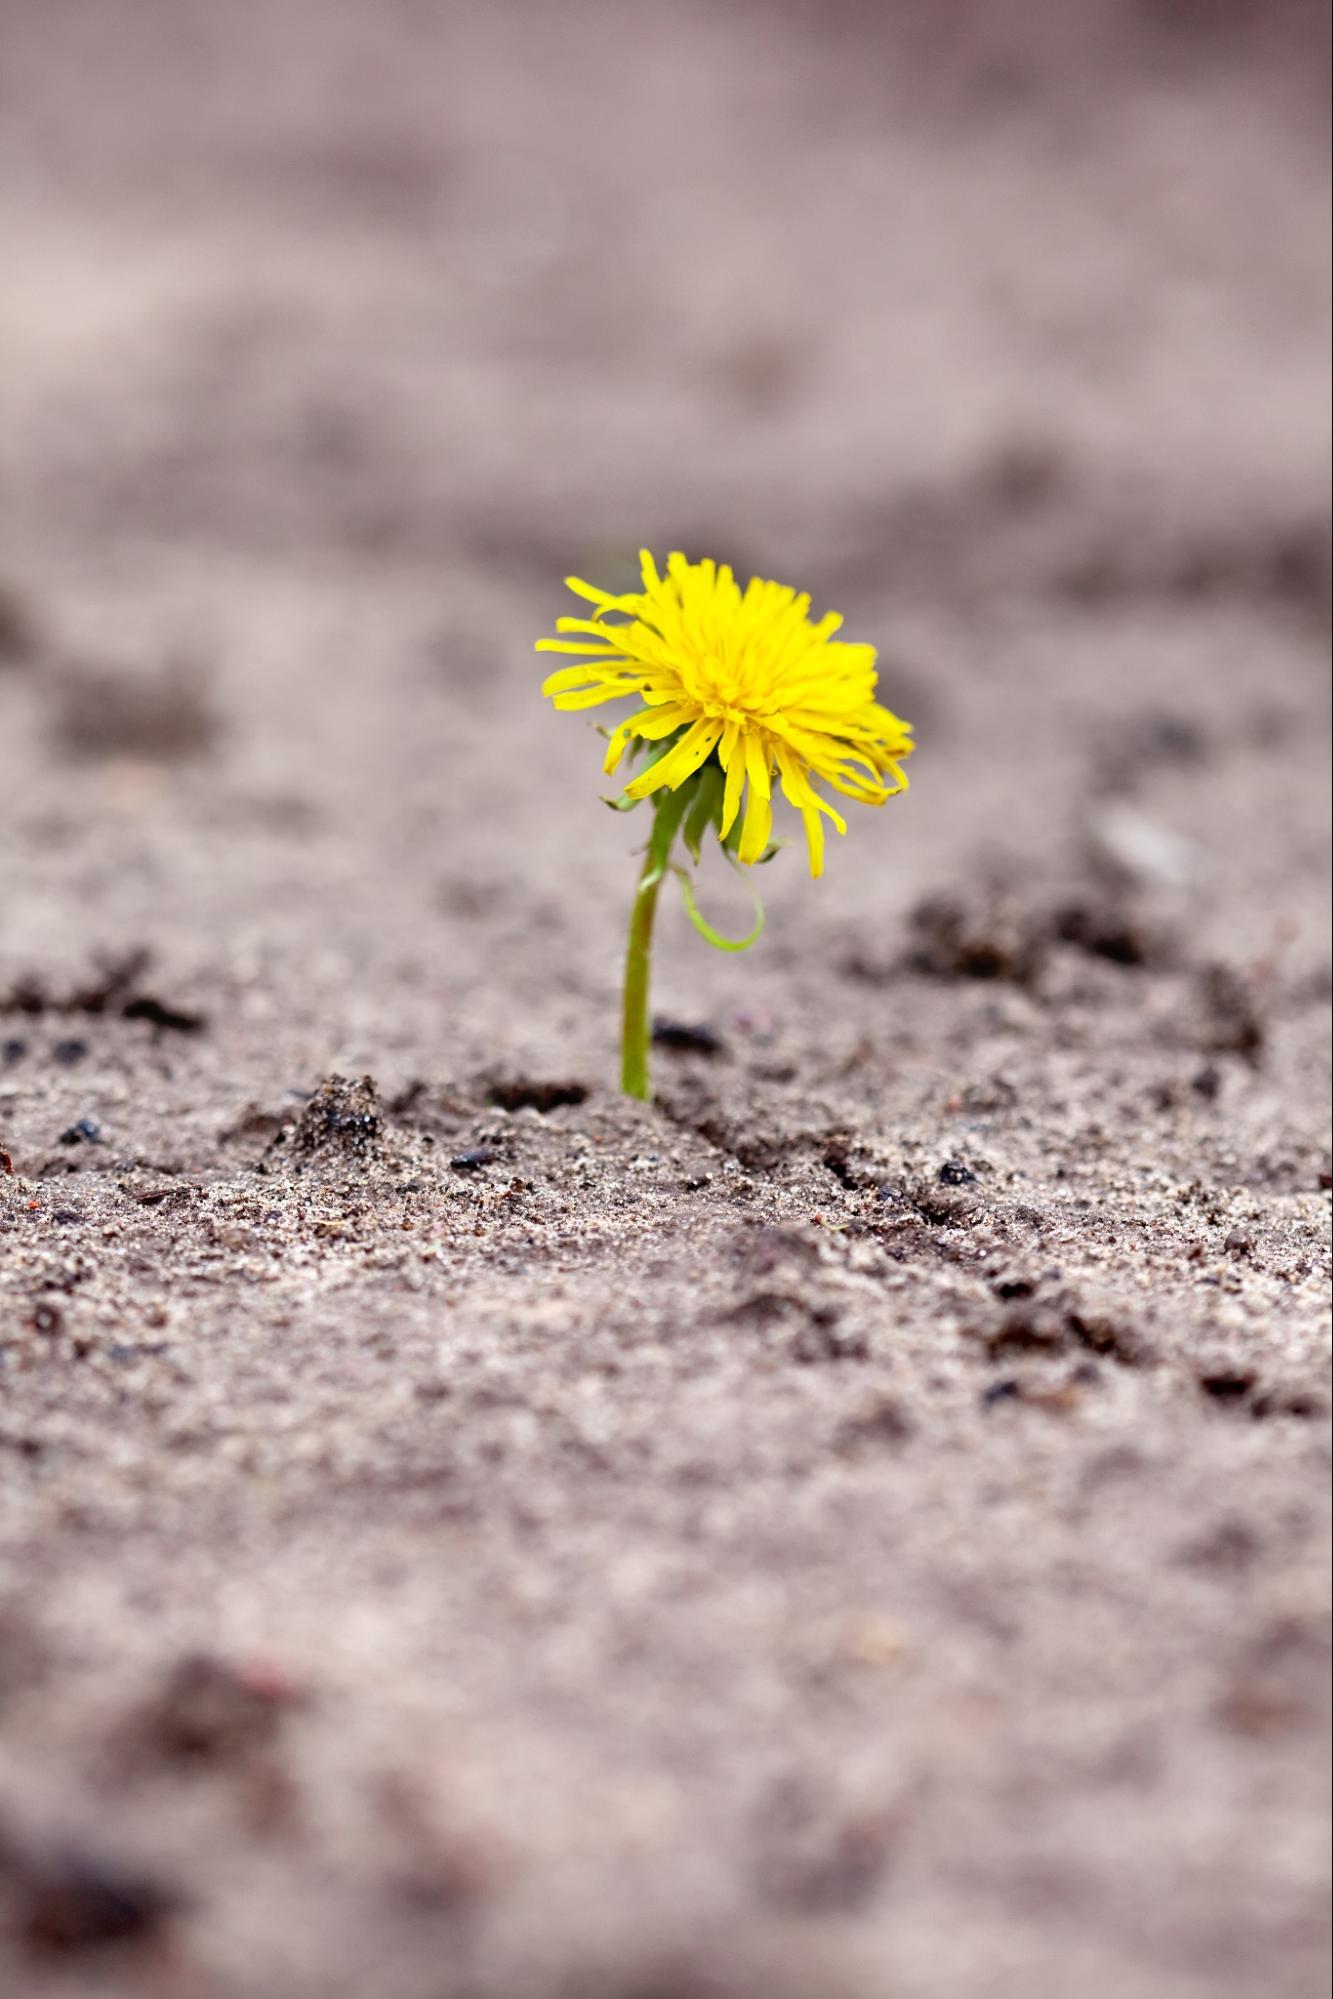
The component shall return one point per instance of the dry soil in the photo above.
(856, 1528)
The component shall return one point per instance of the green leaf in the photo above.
(705, 810)
(705, 928)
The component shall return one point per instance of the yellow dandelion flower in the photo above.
(742, 680)
(738, 690)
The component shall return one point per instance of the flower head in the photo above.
(743, 680)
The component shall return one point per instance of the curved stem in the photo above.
(636, 1027)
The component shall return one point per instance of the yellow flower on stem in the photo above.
(740, 676)
(737, 689)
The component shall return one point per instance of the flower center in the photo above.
(723, 695)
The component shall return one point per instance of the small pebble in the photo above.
(687, 1037)
(86, 1132)
(77, 1900)
(1001, 1391)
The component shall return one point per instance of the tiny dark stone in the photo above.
(67, 1053)
(76, 1900)
(1105, 930)
(1208, 1082)
(1228, 1384)
(1009, 1288)
(687, 1037)
(472, 1161)
(1239, 1243)
(176, 1019)
(66, 1215)
(86, 1132)
(27, 995)
(954, 1173)
(1008, 1390)
(13, 1051)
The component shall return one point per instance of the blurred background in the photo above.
(333, 334)
(430, 280)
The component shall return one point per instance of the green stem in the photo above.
(636, 1027)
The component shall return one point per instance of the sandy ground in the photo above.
(857, 1527)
